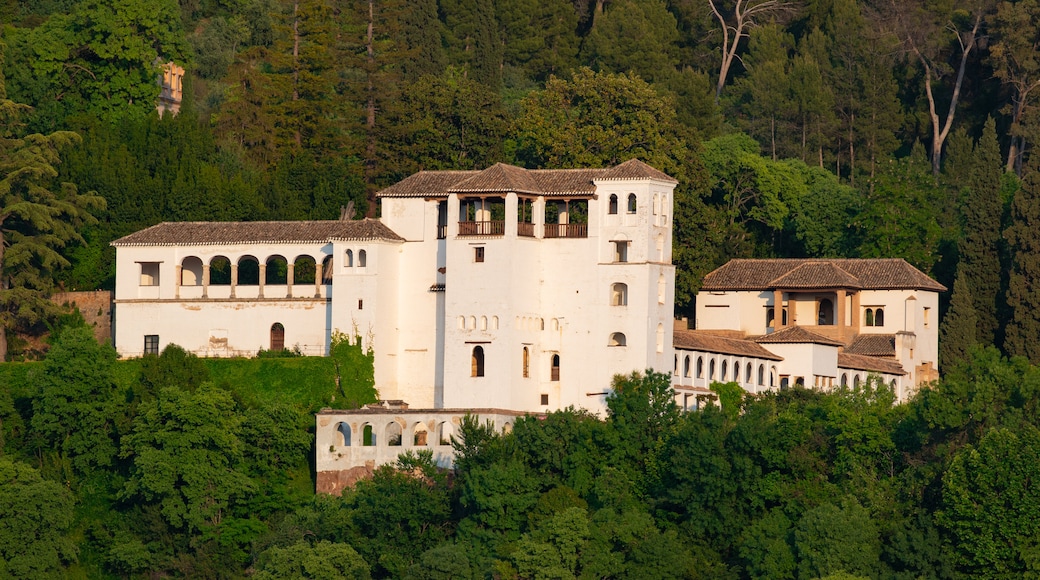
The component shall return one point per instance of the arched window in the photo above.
(462, 323)
(483, 322)
(554, 368)
(612, 205)
(619, 294)
(879, 317)
(620, 251)
(445, 432)
(304, 270)
(761, 375)
(868, 317)
(362, 258)
(420, 437)
(248, 271)
(686, 366)
(277, 336)
(368, 435)
(770, 317)
(348, 260)
(825, 312)
(527, 362)
(191, 271)
(477, 362)
(700, 367)
(676, 370)
(725, 368)
(631, 203)
(277, 271)
(747, 374)
(393, 434)
(494, 323)
(711, 370)
(855, 381)
(617, 339)
(844, 379)
(220, 271)
(772, 376)
(344, 434)
(472, 323)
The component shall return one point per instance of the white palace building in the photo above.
(512, 291)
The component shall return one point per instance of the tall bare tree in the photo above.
(736, 22)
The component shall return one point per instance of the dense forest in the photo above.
(830, 128)
(173, 466)
(823, 128)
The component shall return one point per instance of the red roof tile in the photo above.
(869, 363)
(796, 335)
(226, 233)
(771, 274)
(873, 345)
(707, 342)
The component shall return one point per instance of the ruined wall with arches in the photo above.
(351, 444)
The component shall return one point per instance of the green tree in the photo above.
(1023, 298)
(538, 37)
(76, 410)
(185, 452)
(642, 415)
(302, 560)
(898, 217)
(35, 519)
(38, 217)
(982, 210)
(990, 507)
(444, 122)
(638, 38)
(471, 36)
(552, 549)
(830, 539)
(958, 331)
(103, 58)
(1016, 31)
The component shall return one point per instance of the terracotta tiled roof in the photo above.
(499, 177)
(869, 363)
(703, 341)
(636, 169)
(813, 275)
(502, 178)
(868, 274)
(873, 345)
(796, 335)
(225, 233)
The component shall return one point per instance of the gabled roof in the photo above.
(796, 335)
(869, 363)
(229, 233)
(816, 275)
(773, 274)
(503, 178)
(873, 345)
(707, 342)
(635, 169)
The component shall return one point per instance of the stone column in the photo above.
(778, 309)
(263, 279)
(176, 281)
(290, 278)
(840, 315)
(205, 280)
(234, 278)
(318, 274)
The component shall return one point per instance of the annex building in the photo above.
(512, 291)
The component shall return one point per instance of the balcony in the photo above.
(483, 228)
(525, 230)
(566, 230)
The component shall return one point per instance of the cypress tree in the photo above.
(981, 209)
(1023, 296)
(957, 332)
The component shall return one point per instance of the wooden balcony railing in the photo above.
(488, 228)
(442, 231)
(525, 229)
(566, 230)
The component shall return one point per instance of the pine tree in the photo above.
(1023, 295)
(982, 209)
(957, 333)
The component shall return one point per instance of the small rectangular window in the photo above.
(545, 399)
(478, 254)
(149, 273)
(360, 304)
(621, 251)
(151, 344)
(927, 311)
